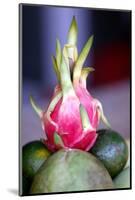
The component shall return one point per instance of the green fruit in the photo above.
(123, 179)
(112, 150)
(71, 170)
(33, 156)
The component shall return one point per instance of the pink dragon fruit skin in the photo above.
(66, 121)
(73, 115)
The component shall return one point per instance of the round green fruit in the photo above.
(123, 179)
(33, 156)
(71, 170)
(111, 149)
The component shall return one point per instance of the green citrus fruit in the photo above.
(33, 156)
(111, 149)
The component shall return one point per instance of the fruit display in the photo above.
(73, 155)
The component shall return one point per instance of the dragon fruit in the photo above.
(73, 115)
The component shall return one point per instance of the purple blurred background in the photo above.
(110, 56)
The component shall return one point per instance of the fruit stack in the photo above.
(74, 155)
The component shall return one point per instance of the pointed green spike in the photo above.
(52, 107)
(35, 107)
(85, 71)
(72, 38)
(81, 59)
(103, 118)
(54, 102)
(65, 76)
(55, 66)
(84, 74)
(58, 53)
(65, 55)
(57, 140)
(85, 118)
(101, 114)
(73, 32)
(75, 54)
(73, 49)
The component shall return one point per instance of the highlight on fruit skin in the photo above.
(73, 115)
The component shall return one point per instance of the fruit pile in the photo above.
(73, 156)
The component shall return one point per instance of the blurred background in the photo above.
(110, 56)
